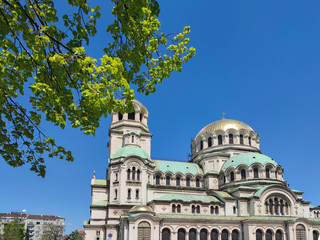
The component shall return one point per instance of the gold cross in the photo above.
(223, 115)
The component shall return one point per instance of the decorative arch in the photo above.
(259, 234)
(166, 234)
(144, 230)
(301, 233)
(181, 234)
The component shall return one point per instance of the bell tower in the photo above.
(130, 128)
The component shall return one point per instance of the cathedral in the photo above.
(228, 190)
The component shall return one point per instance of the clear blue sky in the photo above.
(257, 61)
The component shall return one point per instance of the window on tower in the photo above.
(241, 139)
(220, 140)
(131, 116)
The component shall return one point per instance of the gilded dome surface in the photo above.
(224, 124)
(141, 209)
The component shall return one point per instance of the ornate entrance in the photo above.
(144, 231)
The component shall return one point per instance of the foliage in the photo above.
(44, 53)
(53, 232)
(75, 235)
(47, 235)
(13, 231)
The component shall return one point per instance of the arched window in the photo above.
(276, 206)
(192, 234)
(144, 230)
(256, 173)
(198, 209)
(193, 209)
(276, 174)
(216, 210)
(231, 176)
(224, 234)
(173, 208)
(267, 173)
(178, 181)
(188, 182)
(220, 140)
(315, 235)
(120, 116)
(168, 180)
(258, 234)
(181, 234)
(141, 117)
(249, 141)
(157, 180)
(300, 232)
(137, 194)
(241, 139)
(128, 174)
(178, 208)
(132, 139)
(281, 207)
(235, 235)
(209, 142)
(268, 234)
(138, 175)
(271, 206)
(214, 234)
(197, 182)
(201, 145)
(115, 194)
(116, 177)
(243, 174)
(234, 210)
(203, 234)
(131, 116)
(129, 193)
(166, 234)
(133, 173)
(279, 235)
(230, 139)
(211, 209)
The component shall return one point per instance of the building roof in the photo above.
(131, 150)
(28, 216)
(100, 182)
(100, 203)
(248, 159)
(188, 198)
(177, 167)
(224, 124)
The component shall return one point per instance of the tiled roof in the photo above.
(100, 203)
(177, 167)
(127, 151)
(101, 182)
(187, 198)
(229, 218)
(248, 159)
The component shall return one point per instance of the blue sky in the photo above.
(257, 61)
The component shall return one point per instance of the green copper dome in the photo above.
(248, 159)
(131, 151)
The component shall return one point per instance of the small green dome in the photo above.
(127, 151)
(248, 159)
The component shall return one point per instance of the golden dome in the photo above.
(224, 124)
(141, 209)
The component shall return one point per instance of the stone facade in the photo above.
(228, 190)
(35, 225)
